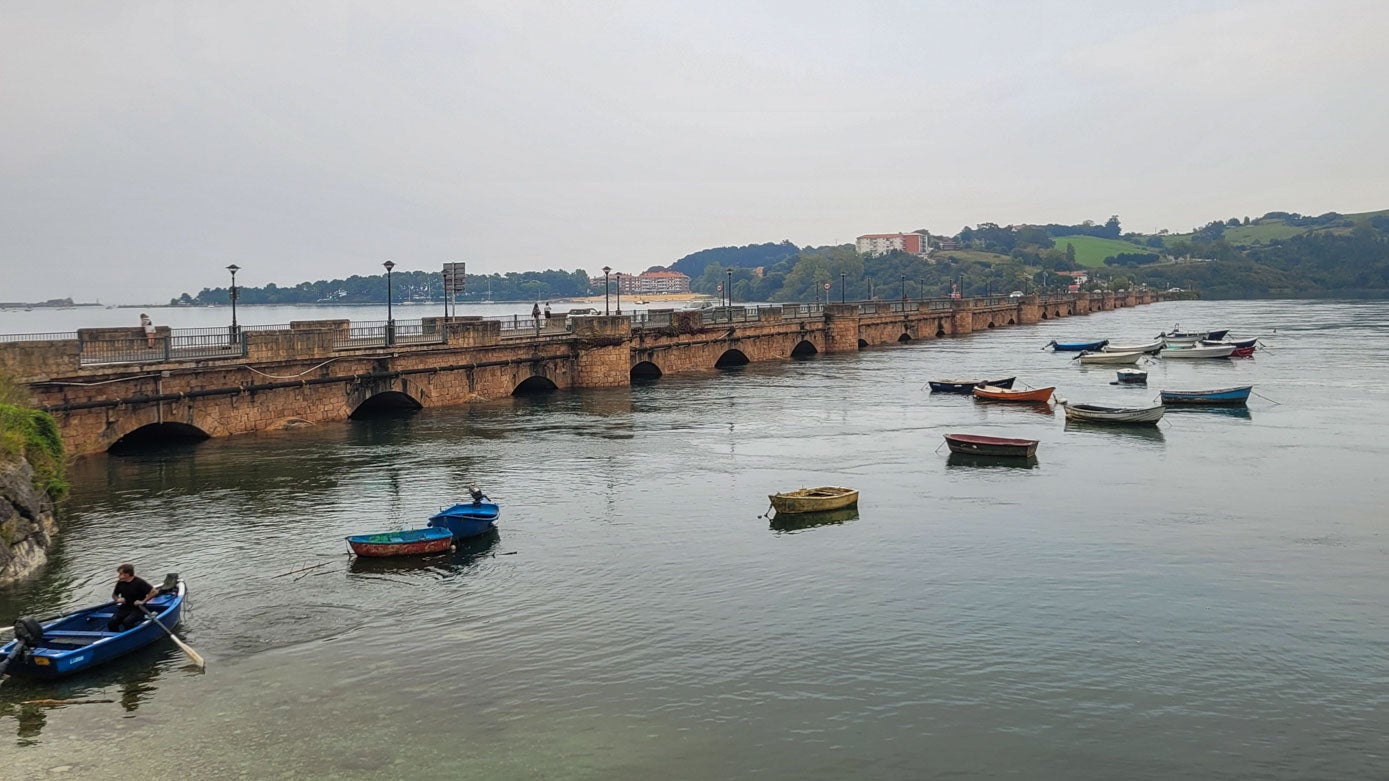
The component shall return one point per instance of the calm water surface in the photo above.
(1203, 600)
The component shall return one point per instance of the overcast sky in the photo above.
(146, 145)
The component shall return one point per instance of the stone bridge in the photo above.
(113, 386)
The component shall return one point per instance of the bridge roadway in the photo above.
(110, 386)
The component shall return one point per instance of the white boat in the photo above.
(1147, 347)
(1221, 351)
(1108, 357)
(1094, 413)
(1180, 341)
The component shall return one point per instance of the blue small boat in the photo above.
(410, 542)
(79, 641)
(1075, 347)
(467, 520)
(1221, 397)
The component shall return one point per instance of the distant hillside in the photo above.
(1091, 251)
(1278, 226)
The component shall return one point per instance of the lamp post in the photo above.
(728, 289)
(904, 287)
(235, 334)
(390, 318)
(870, 288)
(606, 271)
(619, 294)
(842, 276)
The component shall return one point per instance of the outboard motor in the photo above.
(29, 631)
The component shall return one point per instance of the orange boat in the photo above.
(995, 393)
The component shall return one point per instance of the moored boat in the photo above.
(1186, 353)
(967, 386)
(410, 542)
(1109, 358)
(1238, 343)
(814, 500)
(995, 393)
(1150, 348)
(1075, 347)
(1220, 397)
(1095, 413)
(80, 641)
(1242, 352)
(467, 520)
(1132, 376)
(980, 445)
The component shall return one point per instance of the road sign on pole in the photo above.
(455, 280)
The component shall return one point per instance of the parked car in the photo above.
(1015, 294)
(584, 312)
(1174, 290)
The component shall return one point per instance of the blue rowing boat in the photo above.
(467, 520)
(1075, 347)
(80, 641)
(1221, 397)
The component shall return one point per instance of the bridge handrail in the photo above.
(58, 336)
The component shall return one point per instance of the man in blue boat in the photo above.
(130, 594)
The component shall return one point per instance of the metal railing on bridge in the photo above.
(176, 344)
(384, 333)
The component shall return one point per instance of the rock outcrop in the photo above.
(27, 522)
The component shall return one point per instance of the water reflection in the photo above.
(1241, 413)
(795, 522)
(971, 460)
(1133, 433)
(1025, 407)
(130, 681)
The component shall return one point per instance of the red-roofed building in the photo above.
(883, 243)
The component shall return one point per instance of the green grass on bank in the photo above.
(969, 254)
(1092, 250)
(33, 435)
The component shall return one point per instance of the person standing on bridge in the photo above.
(535, 313)
(148, 325)
(547, 313)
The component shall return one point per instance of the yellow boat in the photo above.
(814, 500)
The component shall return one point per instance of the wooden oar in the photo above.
(186, 648)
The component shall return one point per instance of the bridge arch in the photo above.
(534, 385)
(1012, 321)
(804, 349)
(730, 358)
(386, 402)
(646, 371)
(862, 343)
(904, 338)
(153, 435)
(991, 324)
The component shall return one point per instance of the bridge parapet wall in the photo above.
(841, 328)
(32, 361)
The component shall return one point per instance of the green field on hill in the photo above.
(1092, 250)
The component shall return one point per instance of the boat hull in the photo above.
(1149, 348)
(78, 641)
(1238, 343)
(994, 393)
(1000, 447)
(1116, 358)
(967, 386)
(1077, 347)
(413, 542)
(467, 520)
(814, 500)
(1132, 376)
(1222, 397)
(1127, 416)
(1196, 353)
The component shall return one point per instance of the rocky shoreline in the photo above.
(28, 524)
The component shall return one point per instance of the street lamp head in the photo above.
(233, 268)
(390, 264)
(607, 270)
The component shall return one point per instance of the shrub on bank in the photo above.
(33, 436)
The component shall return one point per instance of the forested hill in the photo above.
(1281, 254)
